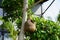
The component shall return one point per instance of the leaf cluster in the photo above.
(13, 9)
(9, 27)
(46, 30)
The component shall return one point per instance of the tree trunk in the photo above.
(25, 6)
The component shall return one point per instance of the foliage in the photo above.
(31, 2)
(46, 30)
(58, 18)
(19, 22)
(13, 9)
(10, 28)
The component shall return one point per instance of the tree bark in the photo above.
(25, 7)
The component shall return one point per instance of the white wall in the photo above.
(52, 12)
(37, 9)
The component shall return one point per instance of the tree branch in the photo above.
(25, 6)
